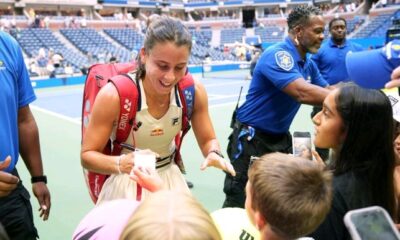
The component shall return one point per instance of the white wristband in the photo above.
(119, 163)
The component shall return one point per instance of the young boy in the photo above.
(287, 197)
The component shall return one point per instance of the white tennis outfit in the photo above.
(154, 134)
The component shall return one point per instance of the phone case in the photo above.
(302, 145)
(374, 222)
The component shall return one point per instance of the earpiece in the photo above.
(296, 41)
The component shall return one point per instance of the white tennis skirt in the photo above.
(120, 186)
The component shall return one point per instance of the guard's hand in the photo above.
(8, 182)
(217, 161)
(42, 194)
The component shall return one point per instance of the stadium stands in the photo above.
(376, 27)
(215, 26)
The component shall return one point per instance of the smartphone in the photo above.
(302, 145)
(371, 223)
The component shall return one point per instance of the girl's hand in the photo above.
(147, 177)
(318, 159)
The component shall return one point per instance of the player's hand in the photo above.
(126, 162)
(217, 161)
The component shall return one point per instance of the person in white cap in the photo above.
(394, 79)
(376, 68)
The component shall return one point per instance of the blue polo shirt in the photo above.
(330, 60)
(15, 92)
(267, 108)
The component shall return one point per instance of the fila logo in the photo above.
(127, 105)
(175, 121)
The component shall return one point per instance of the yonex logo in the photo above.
(189, 101)
(188, 95)
(127, 105)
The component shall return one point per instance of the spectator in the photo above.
(69, 70)
(46, 22)
(113, 60)
(90, 61)
(83, 22)
(357, 124)
(102, 222)
(169, 215)
(287, 197)
(394, 79)
(42, 61)
(375, 68)
(57, 59)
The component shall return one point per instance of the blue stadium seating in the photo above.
(377, 26)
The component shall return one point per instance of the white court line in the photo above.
(225, 104)
(54, 114)
(78, 120)
(223, 84)
(216, 96)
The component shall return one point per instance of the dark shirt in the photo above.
(349, 192)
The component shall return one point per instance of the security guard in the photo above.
(283, 79)
(330, 60)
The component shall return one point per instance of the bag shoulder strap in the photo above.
(129, 96)
(186, 90)
(186, 94)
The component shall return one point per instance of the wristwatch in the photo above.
(39, 179)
